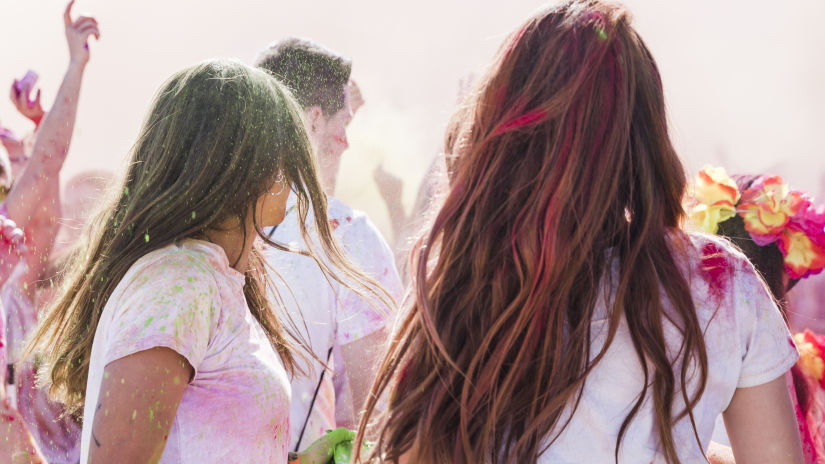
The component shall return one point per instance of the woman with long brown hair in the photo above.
(558, 313)
(162, 330)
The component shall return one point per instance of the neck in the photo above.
(231, 239)
(328, 174)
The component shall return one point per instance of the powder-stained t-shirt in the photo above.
(188, 298)
(747, 341)
(327, 314)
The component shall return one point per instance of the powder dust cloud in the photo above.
(744, 80)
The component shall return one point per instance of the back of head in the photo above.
(560, 160)
(315, 75)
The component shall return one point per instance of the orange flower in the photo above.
(767, 207)
(802, 256)
(713, 199)
(810, 355)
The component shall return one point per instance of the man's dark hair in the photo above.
(315, 75)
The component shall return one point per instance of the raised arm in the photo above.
(39, 184)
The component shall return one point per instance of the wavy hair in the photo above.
(216, 138)
(561, 160)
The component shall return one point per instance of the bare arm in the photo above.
(39, 184)
(762, 426)
(361, 359)
(136, 408)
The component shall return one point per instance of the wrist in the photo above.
(37, 120)
(77, 64)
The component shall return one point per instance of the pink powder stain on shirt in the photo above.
(716, 270)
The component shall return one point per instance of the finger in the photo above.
(81, 23)
(67, 14)
(16, 236)
(85, 33)
(7, 232)
(81, 20)
(88, 26)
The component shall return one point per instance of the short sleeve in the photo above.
(356, 317)
(171, 302)
(766, 345)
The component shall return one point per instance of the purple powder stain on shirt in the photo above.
(715, 269)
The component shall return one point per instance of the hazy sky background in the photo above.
(744, 80)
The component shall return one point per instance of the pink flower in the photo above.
(811, 221)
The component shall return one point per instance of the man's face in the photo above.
(329, 137)
(331, 131)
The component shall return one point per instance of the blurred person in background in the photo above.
(783, 234)
(33, 202)
(346, 331)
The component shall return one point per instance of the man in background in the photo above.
(341, 327)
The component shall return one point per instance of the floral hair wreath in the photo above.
(772, 214)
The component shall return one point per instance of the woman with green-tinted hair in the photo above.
(162, 331)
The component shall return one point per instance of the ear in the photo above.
(313, 115)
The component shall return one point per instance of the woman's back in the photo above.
(560, 157)
(747, 344)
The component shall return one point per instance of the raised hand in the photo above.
(21, 98)
(77, 34)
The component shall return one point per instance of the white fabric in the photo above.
(747, 344)
(186, 297)
(327, 314)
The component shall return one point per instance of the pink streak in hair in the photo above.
(527, 119)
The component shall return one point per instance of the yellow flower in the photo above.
(802, 256)
(713, 199)
(810, 358)
(767, 207)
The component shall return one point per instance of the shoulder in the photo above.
(352, 226)
(171, 266)
(716, 269)
(705, 251)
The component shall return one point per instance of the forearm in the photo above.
(41, 236)
(55, 131)
(39, 181)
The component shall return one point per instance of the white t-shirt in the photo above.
(747, 342)
(327, 314)
(188, 298)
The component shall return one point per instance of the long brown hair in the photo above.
(215, 140)
(562, 163)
